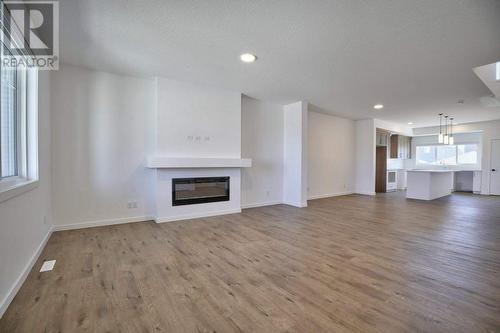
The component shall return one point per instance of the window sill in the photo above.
(13, 187)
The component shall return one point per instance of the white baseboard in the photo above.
(296, 204)
(20, 280)
(262, 204)
(101, 223)
(364, 193)
(329, 195)
(195, 215)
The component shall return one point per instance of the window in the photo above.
(426, 155)
(467, 154)
(446, 155)
(18, 120)
(13, 126)
(8, 123)
(461, 154)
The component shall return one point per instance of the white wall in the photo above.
(331, 155)
(490, 131)
(365, 156)
(25, 220)
(392, 127)
(295, 154)
(100, 136)
(197, 121)
(464, 181)
(262, 141)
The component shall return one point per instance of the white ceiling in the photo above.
(343, 56)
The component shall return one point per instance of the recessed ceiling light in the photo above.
(410, 123)
(248, 57)
(378, 106)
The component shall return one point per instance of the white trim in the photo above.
(196, 215)
(20, 280)
(329, 195)
(490, 192)
(296, 204)
(261, 204)
(157, 162)
(9, 190)
(101, 223)
(364, 193)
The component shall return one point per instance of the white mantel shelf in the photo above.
(161, 162)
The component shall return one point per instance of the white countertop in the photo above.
(437, 171)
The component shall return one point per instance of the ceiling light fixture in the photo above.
(378, 106)
(248, 57)
(410, 123)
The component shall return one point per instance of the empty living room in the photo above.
(250, 166)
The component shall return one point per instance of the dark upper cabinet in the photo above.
(400, 147)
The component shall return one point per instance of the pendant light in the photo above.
(446, 138)
(440, 137)
(451, 140)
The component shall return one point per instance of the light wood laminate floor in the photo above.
(344, 264)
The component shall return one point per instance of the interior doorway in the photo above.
(381, 170)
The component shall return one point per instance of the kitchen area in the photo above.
(393, 153)
(426, 168)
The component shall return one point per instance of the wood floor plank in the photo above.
(344, 264)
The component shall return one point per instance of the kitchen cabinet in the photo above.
(382, 139)
(400, 147)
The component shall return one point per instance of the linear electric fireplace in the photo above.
(189, 191)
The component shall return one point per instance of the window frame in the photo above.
(17, 129)
(27, 168)
(20, 126)
(456, 154)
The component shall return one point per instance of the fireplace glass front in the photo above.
(189, 191)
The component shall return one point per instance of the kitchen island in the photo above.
(429, 184)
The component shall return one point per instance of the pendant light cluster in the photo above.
(446, 136)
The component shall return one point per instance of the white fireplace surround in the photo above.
(164, 162)
(166, 212)
(167, 168)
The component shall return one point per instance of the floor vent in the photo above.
(48, 265)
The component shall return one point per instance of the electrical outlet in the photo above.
(268, 193)
(132, 204)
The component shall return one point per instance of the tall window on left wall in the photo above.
(10, 131)
(18, 123)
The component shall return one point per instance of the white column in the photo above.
(365, 156)
(295, 154)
